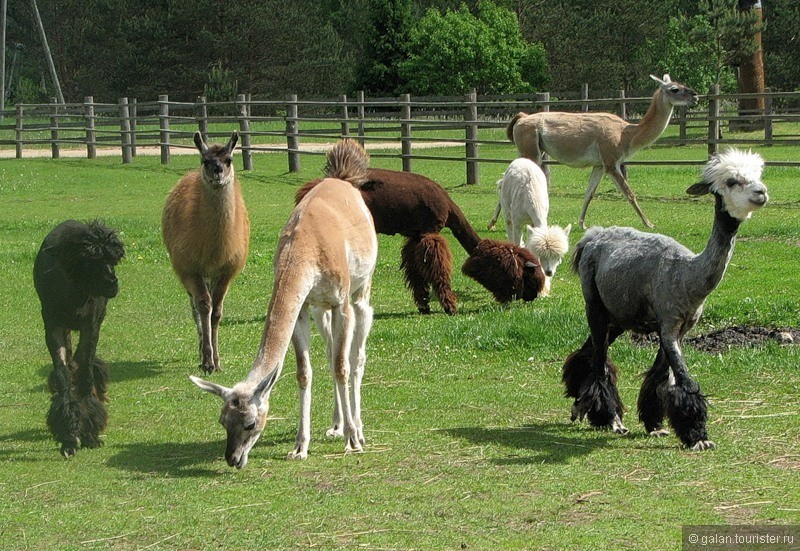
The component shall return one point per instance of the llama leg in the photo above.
(358, 354)
(301, 341)
(202, 307)
(653, 394)
(217, 306)
(622, 184)
(322, 319)
(62, 418)
(594, 181)
(342, 329)
(414, 278)
(686, 405)
(495, 216)
(435, 262)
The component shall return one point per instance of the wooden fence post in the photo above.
(343, 111)
(163, 127)
(362, 114)
(244, 130)
(585, 97)
(713, 120)
(55, 150)
(471, 123)
(623, 108)
(125, 130)
(768, 116)
(292, 142)
(19, 130)
(202, 116)
(91, 135)
(133, 108)
(543, 101)
(405, 131)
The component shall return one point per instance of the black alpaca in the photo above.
(418, 208)
(74, 278)
(649, 282)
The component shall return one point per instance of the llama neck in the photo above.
(288, 296)
(653, 123)
(709, 266)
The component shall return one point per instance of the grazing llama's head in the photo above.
(734, 176)
(549, 244)
(675, 92)
(217, 161)
(244, 414)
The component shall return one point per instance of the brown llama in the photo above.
(323, 266)
(207, 233)
(418, 208)
(74, 278)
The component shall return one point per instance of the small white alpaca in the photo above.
(649, 282)
(324, 263)
(602, 141)
(525, 204)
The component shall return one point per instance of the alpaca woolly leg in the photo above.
(652, 403)
(414, 278)
(301, 341)
(687, 408)
(342, 323)
(495, 216)
(62, 418)
(435, 262)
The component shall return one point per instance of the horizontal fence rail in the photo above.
(404, 127)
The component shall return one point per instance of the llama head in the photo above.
(735, 177)
(244, 414)
(549, 244)
(216, 161)
(675, 92)
(90, 256)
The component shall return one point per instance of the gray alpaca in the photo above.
(650, 282)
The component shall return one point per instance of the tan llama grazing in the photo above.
(600, 140)
(207, 233)
(324, 263)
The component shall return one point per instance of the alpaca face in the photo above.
(549, 244)
(244, 415)
(735, 176)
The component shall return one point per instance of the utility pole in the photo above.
(47, 54)
(751, 75)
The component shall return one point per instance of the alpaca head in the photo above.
(244, 414)
(676, 93)
(549, 244)
(735, 177)
(90, 255)
(217, 161)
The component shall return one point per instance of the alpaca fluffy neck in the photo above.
(708, 267)
(653, 123)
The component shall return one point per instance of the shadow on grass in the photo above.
(117, 372)
(549, 443)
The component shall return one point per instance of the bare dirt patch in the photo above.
(723, 339)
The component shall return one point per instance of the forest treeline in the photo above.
(321, 48)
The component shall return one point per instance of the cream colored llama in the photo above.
(525, 204)
(325, 259)
(600, 140)
(207, 233)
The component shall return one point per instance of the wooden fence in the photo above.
(403, 127)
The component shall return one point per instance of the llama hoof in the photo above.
(70, 449)
(574, 413)
(703, 445)
(424, 310)
(209, 367)
(334, 432)
(617, 426)
(490, 227)
(353, 445)
(298, 454)
(659, 432)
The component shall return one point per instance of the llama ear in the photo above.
(658, 80)
(219, 390)
(700, 188)
(567, 229)
(265, 386)
(530, 264)
(200, 143)
(666, 78)
(232, 142)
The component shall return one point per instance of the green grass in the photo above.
(469, 440)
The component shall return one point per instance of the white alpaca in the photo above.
(325, 260)
(600, 140)
(525, 205)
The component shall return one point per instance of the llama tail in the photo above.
(462, 229)
(347, 161)
(510, 126)
(590, 234)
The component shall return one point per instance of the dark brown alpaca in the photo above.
(418, 208)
